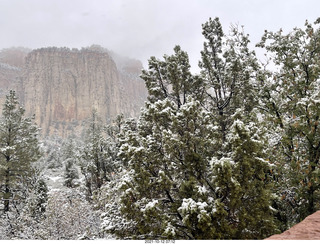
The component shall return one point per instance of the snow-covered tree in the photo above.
(70, 160)
(228, 68)
(172, 79)
(28, 219)
(291, 98)
(243, 182)
(93, 164)
(114, 224)
(71, 173)
(99, 153)
(174, 188)
(19, 147)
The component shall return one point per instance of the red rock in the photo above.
(308, 229)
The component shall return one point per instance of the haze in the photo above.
(142, 28)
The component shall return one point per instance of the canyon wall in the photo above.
(62, 87)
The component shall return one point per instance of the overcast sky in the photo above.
(142, 28)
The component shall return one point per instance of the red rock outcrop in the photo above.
(308, 229)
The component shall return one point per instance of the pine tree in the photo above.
(19, 147)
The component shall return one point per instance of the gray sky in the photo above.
(142, 28)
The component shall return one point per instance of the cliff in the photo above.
(62, 86)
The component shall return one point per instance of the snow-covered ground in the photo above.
(54, 179)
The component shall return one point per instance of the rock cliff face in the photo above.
(61, 87)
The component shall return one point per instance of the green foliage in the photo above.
(19, 147)
(228, 69)
(197, 172)
(243, 185)
(70, 174)
(37, 200)
(98, 159)
(290, 95)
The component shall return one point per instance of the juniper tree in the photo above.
(228, 68)
(173, 187)
(70, 173)
(243, 182)
(168, 152)
(290, 96)
(93, 158)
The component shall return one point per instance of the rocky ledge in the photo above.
(308, 229)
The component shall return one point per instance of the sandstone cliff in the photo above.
(62, 86)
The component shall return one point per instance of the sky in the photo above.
(142, 28)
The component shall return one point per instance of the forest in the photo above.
(229, 153)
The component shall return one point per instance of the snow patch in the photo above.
(54, 178)
(150, 205)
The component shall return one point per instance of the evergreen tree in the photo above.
(98, 160)
(291, 99)
(243, 183)
(70, 173)
(39, 200)
(69, 157)
(175, 189)
(166, 150)
(19, 147)
(229, 70)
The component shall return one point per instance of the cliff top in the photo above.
(124, 64)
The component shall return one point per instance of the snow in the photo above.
(8, 67)
(222, 161)
(170, 230)
(234, 181)
(150, 205)
(262, 160)
(189, 205)
(7, 148)
(202, 190)
(214, 209)
(54, 178)
(128, 191)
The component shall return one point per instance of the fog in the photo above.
(142, 28)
